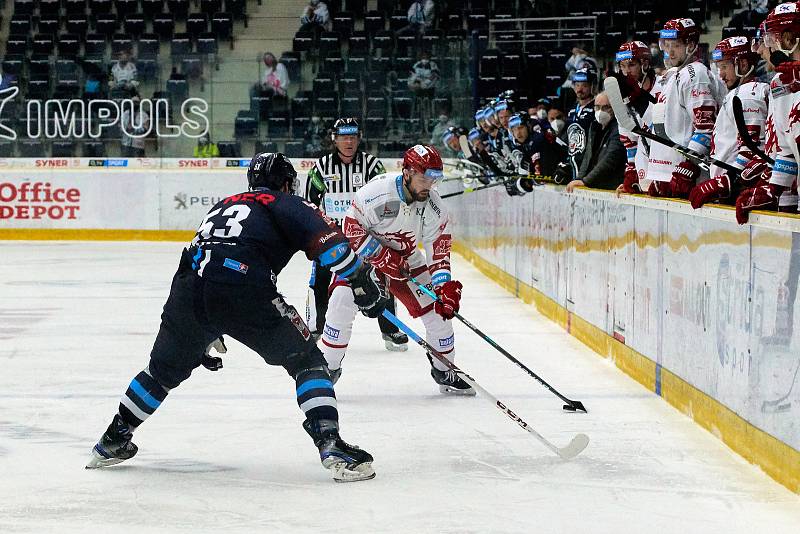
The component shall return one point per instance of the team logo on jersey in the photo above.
(358, 179)
(576, 136)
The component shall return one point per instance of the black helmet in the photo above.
(346, 126)
(271, 170)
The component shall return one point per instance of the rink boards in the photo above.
(692, 305)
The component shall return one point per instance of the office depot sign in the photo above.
(38, 200)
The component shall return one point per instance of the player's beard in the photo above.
(417, 195)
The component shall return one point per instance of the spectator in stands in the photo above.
(315, 17)
(441, 126)
(603, 163)
(275, 79)
(580, 59)
(424, 76)
(420, 18)
(205, 148)
(123, 74)
(135, 122)
(657, 61)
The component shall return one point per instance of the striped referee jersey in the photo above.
(332, 184)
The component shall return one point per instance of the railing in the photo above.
(549, 33)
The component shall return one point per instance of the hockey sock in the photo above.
(315, 394)
(141, 399)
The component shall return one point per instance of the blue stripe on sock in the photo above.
(144, 395)
(319, 383)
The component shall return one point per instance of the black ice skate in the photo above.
(450, 383)
(335, 374)
(397, 342)
(347, 462)
(114, 447)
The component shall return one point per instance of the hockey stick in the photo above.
(629, 123)
(749, 142)
(573, 449)
(571, 406)
(776, 405)
(472, 189)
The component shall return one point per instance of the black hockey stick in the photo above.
(749, 142)
(571, 406)
(629, 123)
(573, 449)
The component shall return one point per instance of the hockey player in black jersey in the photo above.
(332, 184)
(533, 152)
(226, 285)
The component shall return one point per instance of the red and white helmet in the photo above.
(424, 159)
(734, 48)
(784, 18)
(683, 29)
(633, 50)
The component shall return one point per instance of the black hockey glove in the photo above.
(214, 363)
(519, 187)
(563, 174)
(368, 293)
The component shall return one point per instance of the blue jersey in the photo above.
(249, 238)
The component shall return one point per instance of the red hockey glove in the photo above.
(789, 71)
(753, 173)
(631, 182)
(391, 263)
(449, 295)
(762, 197)
(713, 189)
(659, 189)
(684, 176)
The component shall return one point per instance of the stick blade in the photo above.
(463, 142)
(575, 447)
(611, 87)
(574, 406)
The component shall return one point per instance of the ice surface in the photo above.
(226, 453)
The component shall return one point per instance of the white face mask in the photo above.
(557, 125)
(603, 117)
(542, 114)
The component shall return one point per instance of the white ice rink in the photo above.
(226, 453)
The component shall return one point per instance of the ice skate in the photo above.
(114, 447)
(335, 374)
(450, 383)
(347, 462)
(397, 342)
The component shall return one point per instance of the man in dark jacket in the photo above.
(603, 162)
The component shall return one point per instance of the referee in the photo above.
(331, 184)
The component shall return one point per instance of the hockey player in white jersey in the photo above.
(634, 60)
(736, 62)
(387, 219)
(685, 112)
(777, 189)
